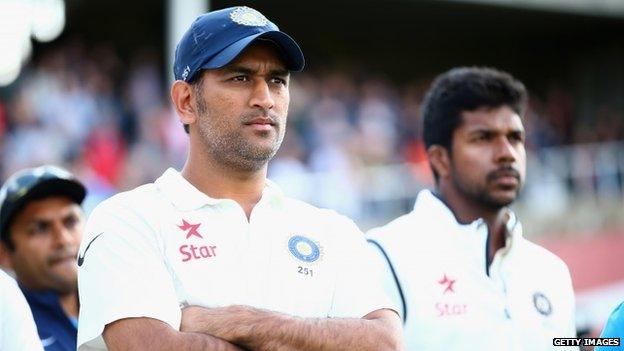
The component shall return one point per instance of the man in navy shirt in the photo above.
(41, 224)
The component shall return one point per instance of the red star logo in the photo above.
(449, 284)
(193, 229)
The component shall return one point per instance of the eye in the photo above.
(516, 137)
(240, 78)
(278, 80)
(39, 228)
(483, 136)
(71, 221)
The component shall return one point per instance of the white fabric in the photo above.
(143, 263)
(479, 312)
(17, 327)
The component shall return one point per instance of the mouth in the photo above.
(261, 123)
(507, 178)
(62, 260)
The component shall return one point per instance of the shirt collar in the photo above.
(435, 207)
(186, 197)
(437, 210)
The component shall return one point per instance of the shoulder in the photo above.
(132, 214)
(392, 230)
(615, 324)
(544, 259)
(6, 282)
(139, 202)
(143, 195)
(303, 211)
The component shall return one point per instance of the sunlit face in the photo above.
(488, 158)
(242, 108)
(46, 235)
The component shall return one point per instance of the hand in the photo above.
(191, 319)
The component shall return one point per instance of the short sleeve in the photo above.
(359, 288)
(388, 281)
(122, 274)
(17, 326)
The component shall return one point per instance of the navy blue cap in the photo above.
(35, 184)
(216, 38)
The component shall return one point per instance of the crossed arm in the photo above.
(258, 329)
(249, 328)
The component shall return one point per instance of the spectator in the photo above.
(41, 226)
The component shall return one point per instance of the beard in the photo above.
(230, 147)
(479, 194)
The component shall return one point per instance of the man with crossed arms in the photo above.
(215, 257)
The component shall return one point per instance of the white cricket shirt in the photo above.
(150, 251)
(452, 302)
(18, 330)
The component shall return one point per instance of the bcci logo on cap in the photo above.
(304, 249)
(248, 17)
(186, 72)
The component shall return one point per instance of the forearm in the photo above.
(264, 330)
(280, 332)
(152, 334)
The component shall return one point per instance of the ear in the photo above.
(5, 260)
(440, 160)
(183, 100)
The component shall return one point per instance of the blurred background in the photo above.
(84, 84)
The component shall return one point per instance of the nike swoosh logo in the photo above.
(81, 257)
(48, 341)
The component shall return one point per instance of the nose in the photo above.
(261, 96)
(63, 236)
(505, 151)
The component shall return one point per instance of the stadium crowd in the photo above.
(109, 121)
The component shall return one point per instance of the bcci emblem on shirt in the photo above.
(542, 304)
(304, 249)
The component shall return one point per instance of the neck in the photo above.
(69, 304)
(466, 211)
(220, 181)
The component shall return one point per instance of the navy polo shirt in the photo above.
(56, 330)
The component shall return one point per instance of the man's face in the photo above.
(46, 235)
(488, 158)
(242, 108)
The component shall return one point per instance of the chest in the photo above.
(451, 300)
(218, 258)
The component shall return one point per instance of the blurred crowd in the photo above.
(109, 121)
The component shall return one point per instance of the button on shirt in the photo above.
(451, 300)
(150, 251)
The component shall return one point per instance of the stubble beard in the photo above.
(479, 194)
(232, 149)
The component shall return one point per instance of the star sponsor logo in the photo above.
(449, 308)
(190, 252)
(192, 229)
(448, 284)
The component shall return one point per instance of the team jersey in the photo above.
(451, 299)
(153, 250)
(614, 328)
(17, 327)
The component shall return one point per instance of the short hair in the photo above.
(467, 89)
(198, 89)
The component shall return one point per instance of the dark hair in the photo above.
(198, 89)
(466, 89)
